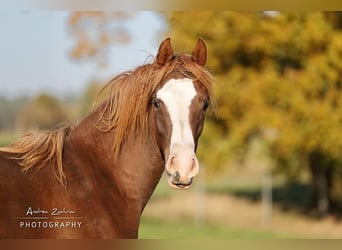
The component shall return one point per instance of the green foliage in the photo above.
(43, 112)
(7, 138)
(46, 112)
(8, 110)
(278, 81)
(95, 93)
(90, 97)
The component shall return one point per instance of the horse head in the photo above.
(179, 105)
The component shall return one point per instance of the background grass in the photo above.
(241, 216)
(157, 229)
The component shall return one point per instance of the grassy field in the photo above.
(229, 206)
(158, 229)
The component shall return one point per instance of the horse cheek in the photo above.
(163, 131)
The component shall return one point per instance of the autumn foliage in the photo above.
(279, 82)
(94, 32)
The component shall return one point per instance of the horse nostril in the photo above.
(175, 176)
(194, 168)
(171, 164)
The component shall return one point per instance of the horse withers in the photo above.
(93, 179)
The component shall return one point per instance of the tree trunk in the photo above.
(321, 183)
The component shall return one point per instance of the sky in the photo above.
(34, 50)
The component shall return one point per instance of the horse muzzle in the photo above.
(174, 181)
(181, 167)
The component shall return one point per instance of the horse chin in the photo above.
(179, 186)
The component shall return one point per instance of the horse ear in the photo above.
(199, 53)
(165, 52)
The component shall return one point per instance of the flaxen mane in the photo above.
(126, 111)
(38, 149)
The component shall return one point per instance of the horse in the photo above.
(93, 179)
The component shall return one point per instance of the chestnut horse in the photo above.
(93, 179)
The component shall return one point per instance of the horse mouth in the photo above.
(178, 185)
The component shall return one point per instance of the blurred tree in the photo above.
(94, 32)
(279, 81)
(8, 110)
(93, 95)
(43, 112)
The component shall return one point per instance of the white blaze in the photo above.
(177, 95)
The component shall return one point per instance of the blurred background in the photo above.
(271, 154)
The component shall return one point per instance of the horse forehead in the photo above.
(177, 92)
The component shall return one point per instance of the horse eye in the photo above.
(205, 105)
(156, 103)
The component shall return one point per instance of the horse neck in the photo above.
(134, 174)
